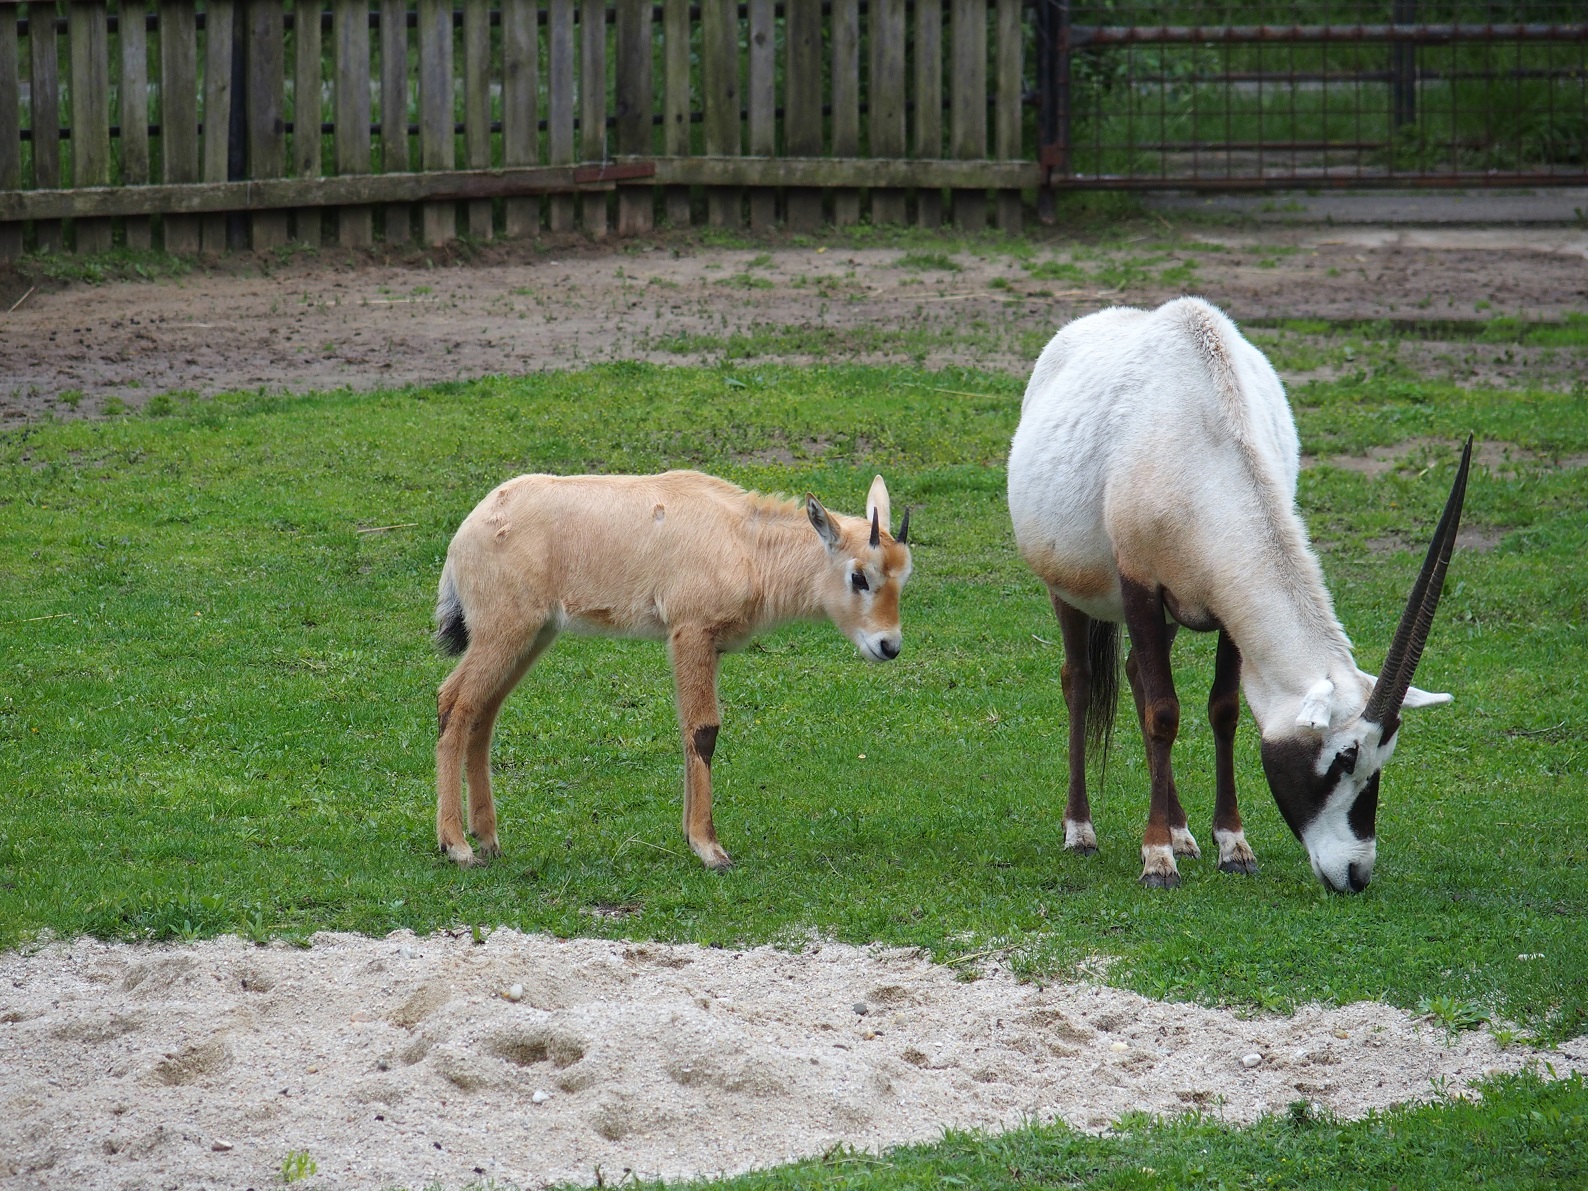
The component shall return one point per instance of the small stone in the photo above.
(861, 1008)
(314, 1071)
(406, 952)
(383, 1064)
(541, 1096)
(1119, 1046)
(220, 1145)
(1342, 1033)
(515, 992)
(1251, 1060)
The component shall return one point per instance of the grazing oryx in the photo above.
(681, 557)
(1152, 481)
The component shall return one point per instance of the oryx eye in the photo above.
(858, 582)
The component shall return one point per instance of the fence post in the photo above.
(559, 99)
(10, 128)
(179, 117)
(267, 105)
(970, 103)
(846, 101)
(887, 102)
(355, 226)
(134, 114)
(929, 104)
(763, 105)
(437, 149)
(218, 17)
(45, 91)
(719, 88)
(308, 44)
(89, 35)
(593, 107)
(477, 106)
(520, 107)
(802, 105)
(394, 111)
(675, 100)
(636, 204)
(1010, 82)
(1403, 67)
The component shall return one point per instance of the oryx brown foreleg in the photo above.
(1076, 676)
(1180, 837)
(1224, 710)
(695, 663)
(1159, 711)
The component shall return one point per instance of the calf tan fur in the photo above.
(681, 557)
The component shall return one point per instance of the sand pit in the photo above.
(404, 1062)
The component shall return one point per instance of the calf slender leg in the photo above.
(1224, 710)
(695, 660)
(1180, 837)
(477, 756)
(1076, 675)
(1160, 718)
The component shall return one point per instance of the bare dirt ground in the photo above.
(300, 321)
(407, 1062)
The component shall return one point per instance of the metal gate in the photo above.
(1270, 94)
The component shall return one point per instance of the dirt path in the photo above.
(406, 1062)
(341, 319)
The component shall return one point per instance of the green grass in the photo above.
(219, 697)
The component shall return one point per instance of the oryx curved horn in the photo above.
(903, 536)
(876, 530)
(1384, 704)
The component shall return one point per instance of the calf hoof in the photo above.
(460, 854)
(712, 856)
(489, 849)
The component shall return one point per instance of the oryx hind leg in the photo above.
(1159, 711)
(1224, 711)
(1181, 841)
(1076, 676)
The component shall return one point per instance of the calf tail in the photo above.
(1102, 656)
(452, 631)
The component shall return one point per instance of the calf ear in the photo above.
(822, 521)
(877, 503)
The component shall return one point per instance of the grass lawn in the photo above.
(217, 714)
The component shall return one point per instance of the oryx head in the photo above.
(1324, 773)
(867, 568)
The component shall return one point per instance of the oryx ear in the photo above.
(822, 521)
(1314, 711)
(877, 502)
(1421, 698)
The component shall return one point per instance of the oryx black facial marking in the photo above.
(1292, 768)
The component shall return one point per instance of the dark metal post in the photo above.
(1053, 85)
(237, 132)
(1403, 67)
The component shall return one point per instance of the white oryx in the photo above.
(680, 557)
(1152, 482)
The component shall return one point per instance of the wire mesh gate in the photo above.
(1226, 94)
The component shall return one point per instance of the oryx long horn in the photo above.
(1384, 704)
(903, 536)
(876, 530)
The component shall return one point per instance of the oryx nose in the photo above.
(889, 647)
(1358, 875)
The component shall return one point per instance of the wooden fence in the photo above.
(265, 122)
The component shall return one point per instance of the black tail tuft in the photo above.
(452, 632)
(1102, 655)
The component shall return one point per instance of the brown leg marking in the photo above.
(1076, 675)
(1224, 712)
(695, 661)
(1153, 683)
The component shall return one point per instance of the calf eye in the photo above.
(858, 580)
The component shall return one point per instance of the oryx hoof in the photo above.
(1157, 867)
(1184, 843)
(1081, 849)
(1235, 855)
(1159, 880)
(1236, 864)
(1080, 838)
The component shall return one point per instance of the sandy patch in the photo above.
(400, 1061)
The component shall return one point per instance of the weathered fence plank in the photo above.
(845, 42)
(308, 48)
(282, 193)
(179, 159)
(802, 104)
(928, 104)
(520, 107)
(887, 101)
(437, 149)
(969, 126)
(218, 17)
(355, 226)
(1008, 72)
(45, 92)
(828, 172)
(89, 37)
(477, 106)
(267, 105)
(10, 131)
(398, 218)
(134, 92)
(719, 89)
(761, 98)
(675, 99)
(593, 106)
(634, 103)
(559, 100)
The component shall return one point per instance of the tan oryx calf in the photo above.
(1152, 481)
(681, 557)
